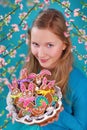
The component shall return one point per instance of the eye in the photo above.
(35, 44)
(50, 45)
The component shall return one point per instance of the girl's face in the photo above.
(46, 47)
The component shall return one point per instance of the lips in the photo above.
(43, 60)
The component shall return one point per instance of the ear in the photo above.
(64, 46)
(23, 87)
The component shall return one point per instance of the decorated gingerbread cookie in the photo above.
(33, 99)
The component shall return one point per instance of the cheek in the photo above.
(56, 53)
(34, 51)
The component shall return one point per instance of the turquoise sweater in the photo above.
(74, 115)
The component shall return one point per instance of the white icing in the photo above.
(33, 120)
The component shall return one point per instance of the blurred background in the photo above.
(16, 16)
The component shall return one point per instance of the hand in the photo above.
(52, 119)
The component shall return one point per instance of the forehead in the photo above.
(42, 34)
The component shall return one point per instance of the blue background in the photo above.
(21, 47)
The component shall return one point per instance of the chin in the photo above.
(46, 67)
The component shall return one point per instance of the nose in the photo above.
(41, 52)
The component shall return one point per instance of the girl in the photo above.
(49, 48)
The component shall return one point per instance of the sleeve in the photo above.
(31, 127)
(21, 126)
(77, 121)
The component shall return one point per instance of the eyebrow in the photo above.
(45, 42)
(34, 42)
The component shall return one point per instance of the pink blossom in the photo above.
(9, 35)
(17, 1)
(85, 57)
(76, 12)
(15, 27)
(23, 36)
(36, 1)
(25, 26)
(84, 17)
(10, 69)
(79, 40)
(2, 62)
(82, 31)
(1, 89)
(29, 3)
(80, 57)
(66, 34)
(21, 6)
(86, 60)
(66, 3)
(86, 45)
(67, 24)
(1, 17)
(41, 5)
(27, 41)
(46, 1)
(2, 49)
(27, 59)
(13, 53)
(22, 55)
(22, 15)
(70, 28)
(71, 20)
(5, 80)
(1, 80)
(7, 19)
(67, 14)
(74, 47)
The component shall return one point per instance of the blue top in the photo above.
(74, 115)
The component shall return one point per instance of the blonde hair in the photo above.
(54, 21)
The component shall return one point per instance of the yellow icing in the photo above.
(17, 95)
(44, 92)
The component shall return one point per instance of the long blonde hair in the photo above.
(54, 21)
